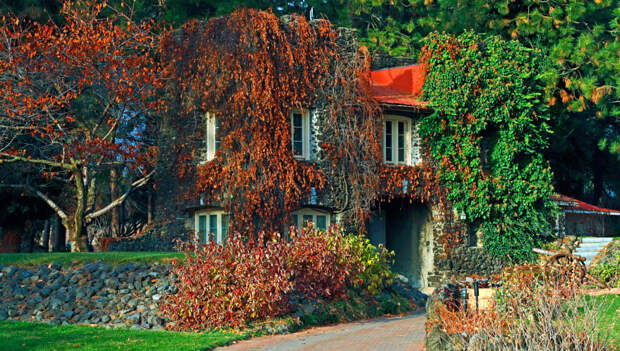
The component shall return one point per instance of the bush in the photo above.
(326, 263)
(373, 263)
(607, 268)
(227, 285)
(529, 314)
(245, 280)
(608, 273)
(321, 263)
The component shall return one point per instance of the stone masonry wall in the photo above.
(92, 293)
(462, 260)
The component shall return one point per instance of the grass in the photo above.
(17, 335)
(610, 320)
(66, 258)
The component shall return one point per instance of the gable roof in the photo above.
(399, 86)
(571, 205)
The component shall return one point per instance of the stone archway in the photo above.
(407, 230)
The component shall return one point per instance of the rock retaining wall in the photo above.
(92, 293)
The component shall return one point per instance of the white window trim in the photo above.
(210, 121)
(305, 134)
(219, 213)
(311, 212)
(408, 125)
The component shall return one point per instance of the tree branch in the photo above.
(43, 197)
(138, 183)
(36, 161)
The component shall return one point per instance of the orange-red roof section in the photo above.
(399, 85)
(577, 206)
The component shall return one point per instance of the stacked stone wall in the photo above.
(93, 293)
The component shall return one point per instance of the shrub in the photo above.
(227, 285)
(608, 273)
(529, 314)
(245, 280)
(321, 263)
(373, 263)
(607, 268)
(326, 263)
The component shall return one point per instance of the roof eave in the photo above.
(417, 108)
(602, 213)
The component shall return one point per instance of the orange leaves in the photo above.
(47, 71)
(249, 70)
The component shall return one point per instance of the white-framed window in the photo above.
(211, 224)
(300, 134)
(212, 135)
(397, 140)
(321, 219)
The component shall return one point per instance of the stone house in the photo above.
(411, 230)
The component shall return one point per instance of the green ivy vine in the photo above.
(487, 135)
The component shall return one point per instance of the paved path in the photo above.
(404, 333)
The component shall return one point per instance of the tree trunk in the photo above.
(149, 207)
(75, 225)
(597, 179)
(45, 237)
(78, 238)
(54, 237)
(113, 195)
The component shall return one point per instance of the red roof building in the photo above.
(581, 218)
(570, 205)
(399, 86)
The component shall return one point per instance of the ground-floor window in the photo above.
(320, 219)
(211, 224)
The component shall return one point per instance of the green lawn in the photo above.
(65, 258)
(42, 337)
(611, 317)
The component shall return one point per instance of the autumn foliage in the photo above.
(251, 69)
(228, 285)
(74, 99)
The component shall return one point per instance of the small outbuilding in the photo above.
(581, 218)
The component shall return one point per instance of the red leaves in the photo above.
(226, 286)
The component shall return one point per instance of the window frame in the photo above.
(305, 133)
(220, 235)
(310, 212)
(408, 125)
(211, 140)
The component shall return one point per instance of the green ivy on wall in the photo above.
(487, 134)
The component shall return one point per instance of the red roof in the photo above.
(571, 205)
(399, 85)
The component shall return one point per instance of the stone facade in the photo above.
(414, 231)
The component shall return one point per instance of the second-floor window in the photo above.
(397, 140)
(212, 136)
(211, 225)
(300, 134)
